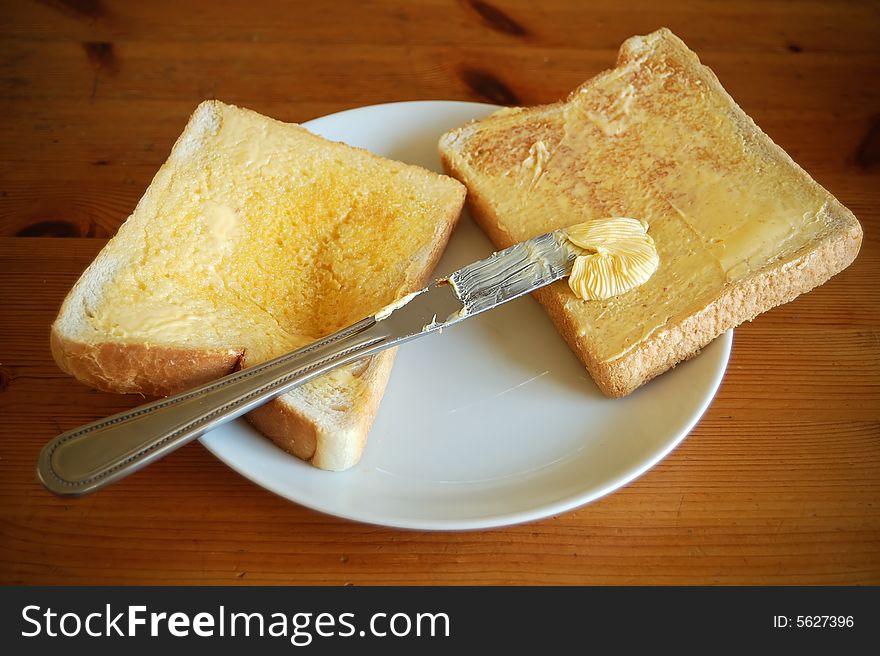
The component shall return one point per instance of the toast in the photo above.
(739, 227)
(254, 238)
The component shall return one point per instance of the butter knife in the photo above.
(92, 456)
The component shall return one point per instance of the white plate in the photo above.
(493, 422)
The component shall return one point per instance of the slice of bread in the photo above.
(254, 238)
(739, 227)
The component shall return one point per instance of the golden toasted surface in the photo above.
(658, 139)
(258, 234)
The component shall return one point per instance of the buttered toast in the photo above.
(254, 238)
(738, 226)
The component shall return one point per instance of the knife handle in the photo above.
(94, 455)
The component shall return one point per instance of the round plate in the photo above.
(493, 422)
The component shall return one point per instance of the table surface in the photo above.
(778, 484)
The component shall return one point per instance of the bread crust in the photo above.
(151, 370)
(774, 285)
(293, 430)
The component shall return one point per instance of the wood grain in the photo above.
(780, 481)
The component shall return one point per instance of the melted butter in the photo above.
(614, 118)
(653, 139)
(257, 235)
(619, 256)
(741, 230)
(161, 320)
(220, 230)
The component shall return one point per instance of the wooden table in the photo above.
(778, 484)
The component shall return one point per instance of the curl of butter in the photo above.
(619, 256)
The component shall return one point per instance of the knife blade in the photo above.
(92, 456)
